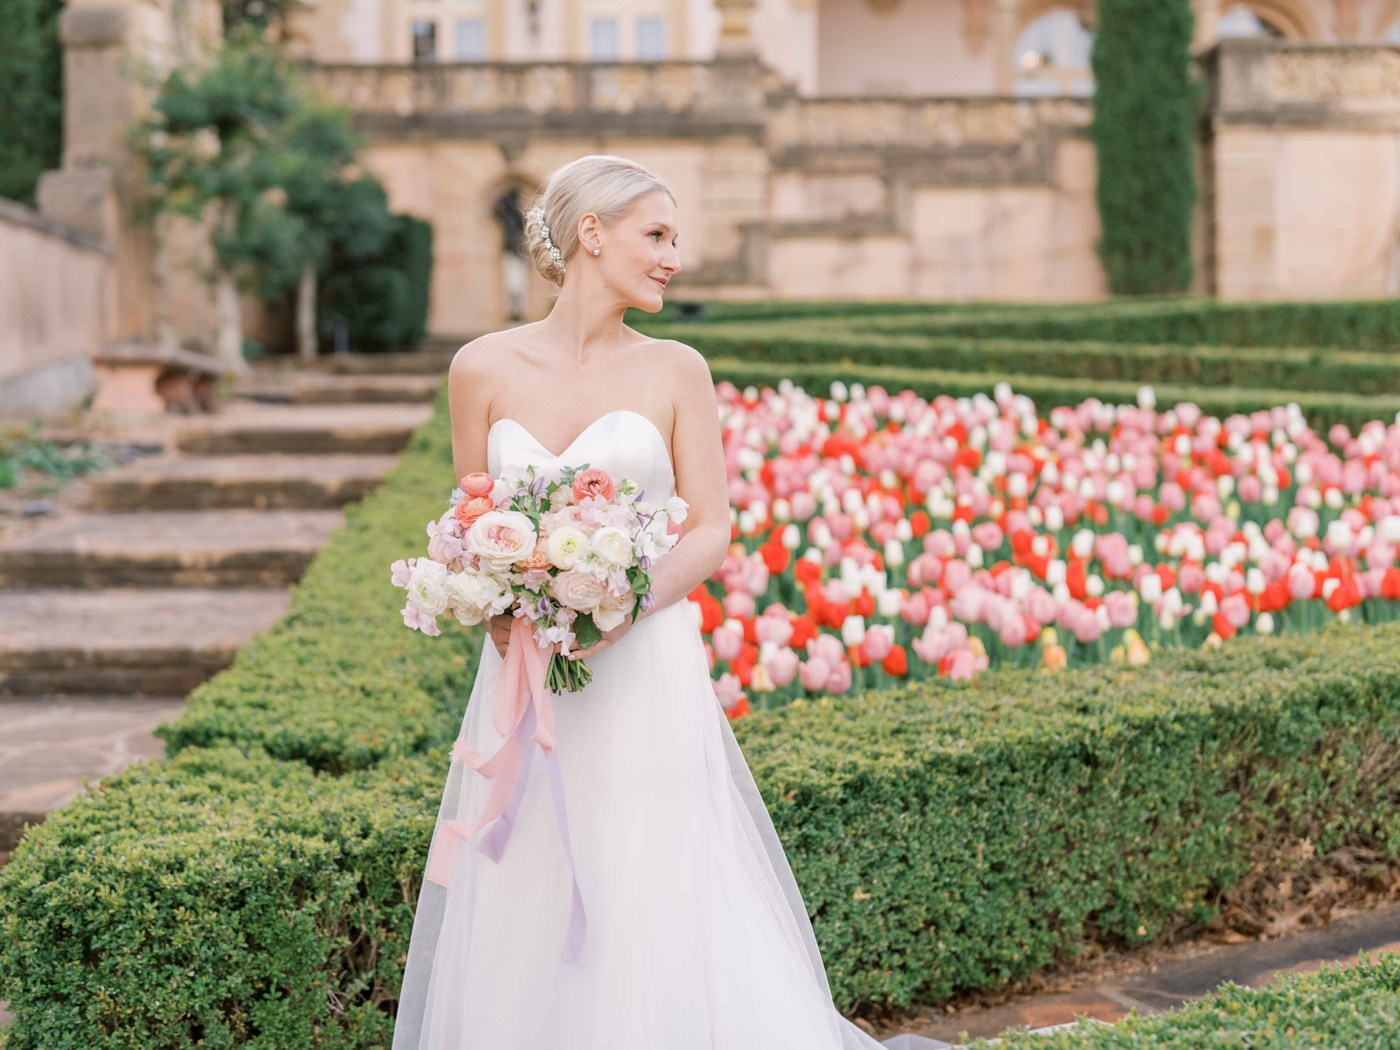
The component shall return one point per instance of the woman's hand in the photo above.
(499, 626)
(609, 638)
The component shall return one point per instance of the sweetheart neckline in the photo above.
(613, 412)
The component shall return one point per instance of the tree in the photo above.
(244, 148)
(31, 95)
(1145, 106)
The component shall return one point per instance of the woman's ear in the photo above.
(589, 232)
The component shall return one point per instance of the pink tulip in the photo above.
(815, 673)
(804, 505)
(1122, 612)
(728, 689)
(956, 575)
(1251, 489)
(1013, 631)
(963, 666)
(1235, 608)
(840, 678)
(1301, 582)
(940, 543)
(782, 667)
(878, 641)
(1190, 577)
(775, 629)
(1041, 605)
(915, 609)
(826, 647)
(728, 640)
(738, 604)
(987, 535)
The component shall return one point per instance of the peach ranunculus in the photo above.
(580, 591)
(469, 509)
(538, 559)
(594, 483)
(478, 483)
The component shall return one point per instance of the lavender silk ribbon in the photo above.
(522, 712)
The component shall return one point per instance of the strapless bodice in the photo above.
(624, 443)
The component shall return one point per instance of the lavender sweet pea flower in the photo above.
(644, 562)
(648, 601)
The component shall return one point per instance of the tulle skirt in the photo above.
(697, 938)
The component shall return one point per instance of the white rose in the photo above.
(612, 546)
(474, 596)
(427, 587)
(566, 546)
(613, 611)
(500, 537)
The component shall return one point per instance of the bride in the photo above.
(659, 913)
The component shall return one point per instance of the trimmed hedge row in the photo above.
(944, 836)
(339, 683)
(1357, 1007)
(1372, 324)
(1322, 408)
(1159, 364)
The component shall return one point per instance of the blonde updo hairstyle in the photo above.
(605, 185)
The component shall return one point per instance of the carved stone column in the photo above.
(1006, 17)
(1345, 24)
(1207, 14)
(735, 28)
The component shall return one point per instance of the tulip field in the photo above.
(879, 536)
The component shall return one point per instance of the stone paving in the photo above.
(1168, 984)
(152, 578)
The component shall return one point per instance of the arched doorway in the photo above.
(1052, 55)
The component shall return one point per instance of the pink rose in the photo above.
(579, 591)
(500, 537)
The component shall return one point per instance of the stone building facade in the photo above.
(932, 149)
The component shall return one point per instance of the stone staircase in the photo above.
(109, 615)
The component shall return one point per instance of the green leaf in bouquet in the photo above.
(641, 583)
(585, 630)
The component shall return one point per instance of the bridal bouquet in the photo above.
(572, 557)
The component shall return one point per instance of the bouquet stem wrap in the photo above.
(522, 711)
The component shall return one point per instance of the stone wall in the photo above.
(1305, 170)
(57, 299)
(780, 194)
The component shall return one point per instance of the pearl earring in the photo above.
(596, 250)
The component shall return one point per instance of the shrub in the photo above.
(1356, 1007)
(382, 296)
(31, 96)
(1144, 129)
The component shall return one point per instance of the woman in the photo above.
(687, 930)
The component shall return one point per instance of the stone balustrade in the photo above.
(1302, 84)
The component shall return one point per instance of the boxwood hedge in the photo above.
(255, 888)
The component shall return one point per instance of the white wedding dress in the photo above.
(696, 934)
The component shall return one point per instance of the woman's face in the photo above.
(638, 254)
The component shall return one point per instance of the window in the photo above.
(424, 41)
(1053, 55)
(651, 39)
(602, 40)
(471, 40)
(1240, 20)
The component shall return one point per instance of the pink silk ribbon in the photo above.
(522, 711)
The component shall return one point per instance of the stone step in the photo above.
(259, 482)
(49, 743)
(321, 388)
(303, 430)
(159, 642)
(226, 548)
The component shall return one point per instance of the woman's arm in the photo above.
(701, 480)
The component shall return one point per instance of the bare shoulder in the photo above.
(474, 360)
(685, 365)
